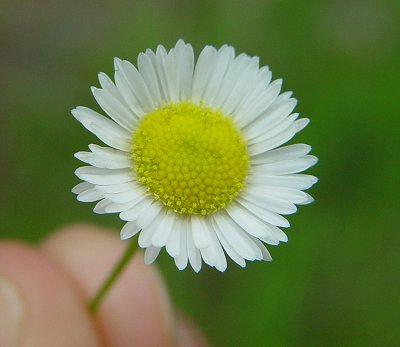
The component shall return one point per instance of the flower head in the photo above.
(192, 161)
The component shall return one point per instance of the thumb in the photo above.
(38, 305)
(11, 313)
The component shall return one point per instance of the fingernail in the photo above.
(11, 314)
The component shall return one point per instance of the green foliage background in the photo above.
(336, 283)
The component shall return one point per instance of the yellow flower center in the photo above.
(191, 157)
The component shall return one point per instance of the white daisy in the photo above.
(191, 160)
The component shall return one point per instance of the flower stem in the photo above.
(94, 302)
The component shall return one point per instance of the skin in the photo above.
(44, 289)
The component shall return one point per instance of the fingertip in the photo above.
(12, 313)
(137, 308)
(188, 334)
(46, 309)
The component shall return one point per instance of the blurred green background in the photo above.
(336, 283)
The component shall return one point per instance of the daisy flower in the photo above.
(191, 161)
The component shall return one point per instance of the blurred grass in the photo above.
(337, 280)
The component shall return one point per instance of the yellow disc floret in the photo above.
(191, 157)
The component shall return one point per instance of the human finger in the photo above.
(38, 305)
(187, 333)
(137, 309)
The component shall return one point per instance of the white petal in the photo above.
(266, 256)
(301, 124)
(279, 128)
(133, 88)
(208, 254)
(126, 196)
(81, 187)
(128, 230)
(184, 63)
(250, 223)
(114, 109)
(219, 256)
(160, 237)
(174, 241)
(108, 85)
(253, 105)
(115, 207)
(285, 167)
(244, 72)
(107, 151)
(265, 100)
(273, 142)
(161, 66)
(193, 253)
(256, 102)
(271, 217)
(137, 208)
(283, 153)
(173, 72)
(110, 88)
(101, 206)
(112, 103)
(202, 72)
(227, 247)
(106, 159)
(199, 236)
(149, 214)
(119, 188)
(293, 195)
(272, 234)
(296, 181)
(151, 254)
(105, 129)
(148, 71)
(90, 195)
(271, 203)
(308, 200)
(237, 238)
(231, 78)
(217, 71)
(148, 232)
(279, 110)
(182, 258)
(101, 176)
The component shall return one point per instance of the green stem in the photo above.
(95, 301)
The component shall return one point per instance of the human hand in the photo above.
(44, 292)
